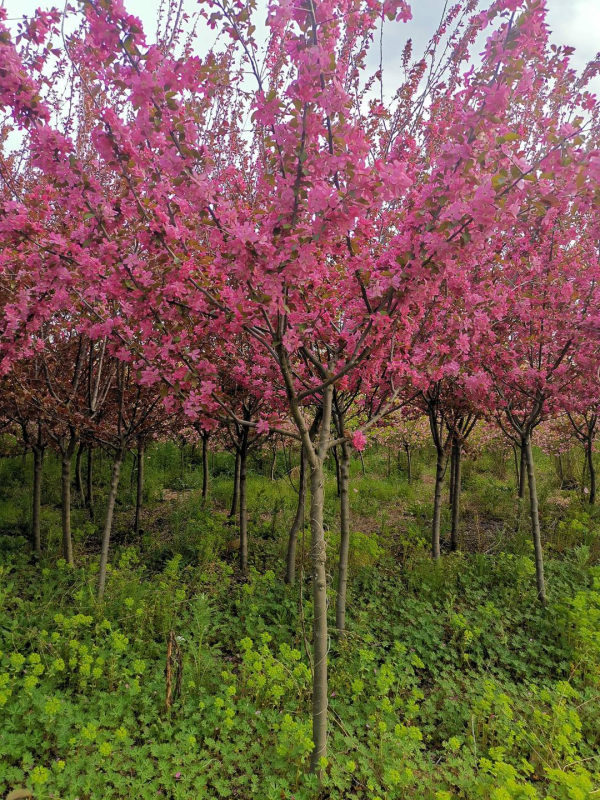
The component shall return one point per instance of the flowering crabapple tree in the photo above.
(328, 234)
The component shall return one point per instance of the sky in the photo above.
(573, 22)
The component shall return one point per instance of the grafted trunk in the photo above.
(440, 470)
(297, 524)
(78, 478)
(89, 482)
(340, 606)
(139, 495)
(592, 471)
(108, 521)
(236, 486)
(67, 540)
(38, 462)
(456, 490)
(243, 519)
(535, 522)
(320, 635)
(204, 466)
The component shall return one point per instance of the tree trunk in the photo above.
(522, 471)
(440, 470)
(38, 461)
(408, 462)
(337, 470)
(89, 493)
(362, 462)
(592, 471)
(236, 486)
(517, 470)
(456, 489)
(108, 520)
(204, 467)
(320, 634)
(243, 505)
(535, 522)
(297, 524)
(139, 495)
(273, 463)
(66, 508)
(78, 479)
(340, 606)
(452, 473)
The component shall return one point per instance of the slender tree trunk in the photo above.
(297, 524)
(408, 462)
(535, 522)
(139, 495)
(236, 486)
(243, 505)
(320, 634)
(273, 463)
(389, 461)
(522, 470)
(336, 458)
(78, 478)
(362, 463)
(89, 475)
(340, 606)
(204, 467)
(66, 508)
(517, 470)
(456, 489)
(452, 473)
(108, 521)
(38, 461)
(440, 470)
(561, 472)
(592, 470)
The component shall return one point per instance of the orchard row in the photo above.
(266, 239)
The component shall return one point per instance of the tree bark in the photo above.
(236, 486)
(456, 489)
(204, 467)
(243, 519)
(320, 634)
(66, 508)
(108, 521)
(297, 524)
(440, 471)
(336, 458)
(38, 461)
(139, 495)
(522, 470)
(319, 558)
(535, 522)
(408, 462)
(517, 470)
(592, 471)
(89, 494)
(452, 472)
(78, 478)
(340, 606)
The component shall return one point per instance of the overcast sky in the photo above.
(573, 22)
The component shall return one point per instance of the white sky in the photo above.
(573, 22)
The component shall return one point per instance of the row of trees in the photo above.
(259, 240)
